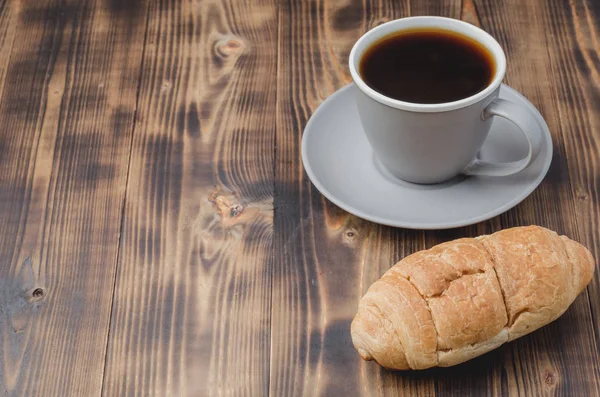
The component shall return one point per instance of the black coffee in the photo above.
(427, 66)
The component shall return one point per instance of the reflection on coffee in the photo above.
(427, 66)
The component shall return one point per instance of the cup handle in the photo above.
(528, 125)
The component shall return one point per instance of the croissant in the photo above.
(461, 299)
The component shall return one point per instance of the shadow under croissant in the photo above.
(479, 366)
(536, 355)
(535, 363)
(480, 376)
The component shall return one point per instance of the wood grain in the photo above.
(573, 51)
(158, 235)
(9, 11)
(191, 310)
(542, 68)
(67, 113)
(327, 258)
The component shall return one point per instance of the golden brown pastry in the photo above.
(461, 299)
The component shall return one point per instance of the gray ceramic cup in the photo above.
(432, 143)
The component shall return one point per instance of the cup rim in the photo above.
(473, 32)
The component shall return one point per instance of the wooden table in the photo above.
(158, 235)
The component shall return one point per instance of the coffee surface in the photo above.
(427, 66)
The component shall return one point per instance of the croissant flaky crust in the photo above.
(461, 299)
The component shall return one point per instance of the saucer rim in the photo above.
(425, 225)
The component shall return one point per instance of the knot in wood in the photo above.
(582, 194)
(229, 47)
(549, 378)
(350, 235)
(37, 293)
(235, 210)
(583, 197)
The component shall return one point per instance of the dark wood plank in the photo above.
(542, 68)
(574, 54)
(192, 305)
(9, 11)
(67, 109)
(326, 259)
(550, 360)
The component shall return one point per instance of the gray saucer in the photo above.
(341, 164)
